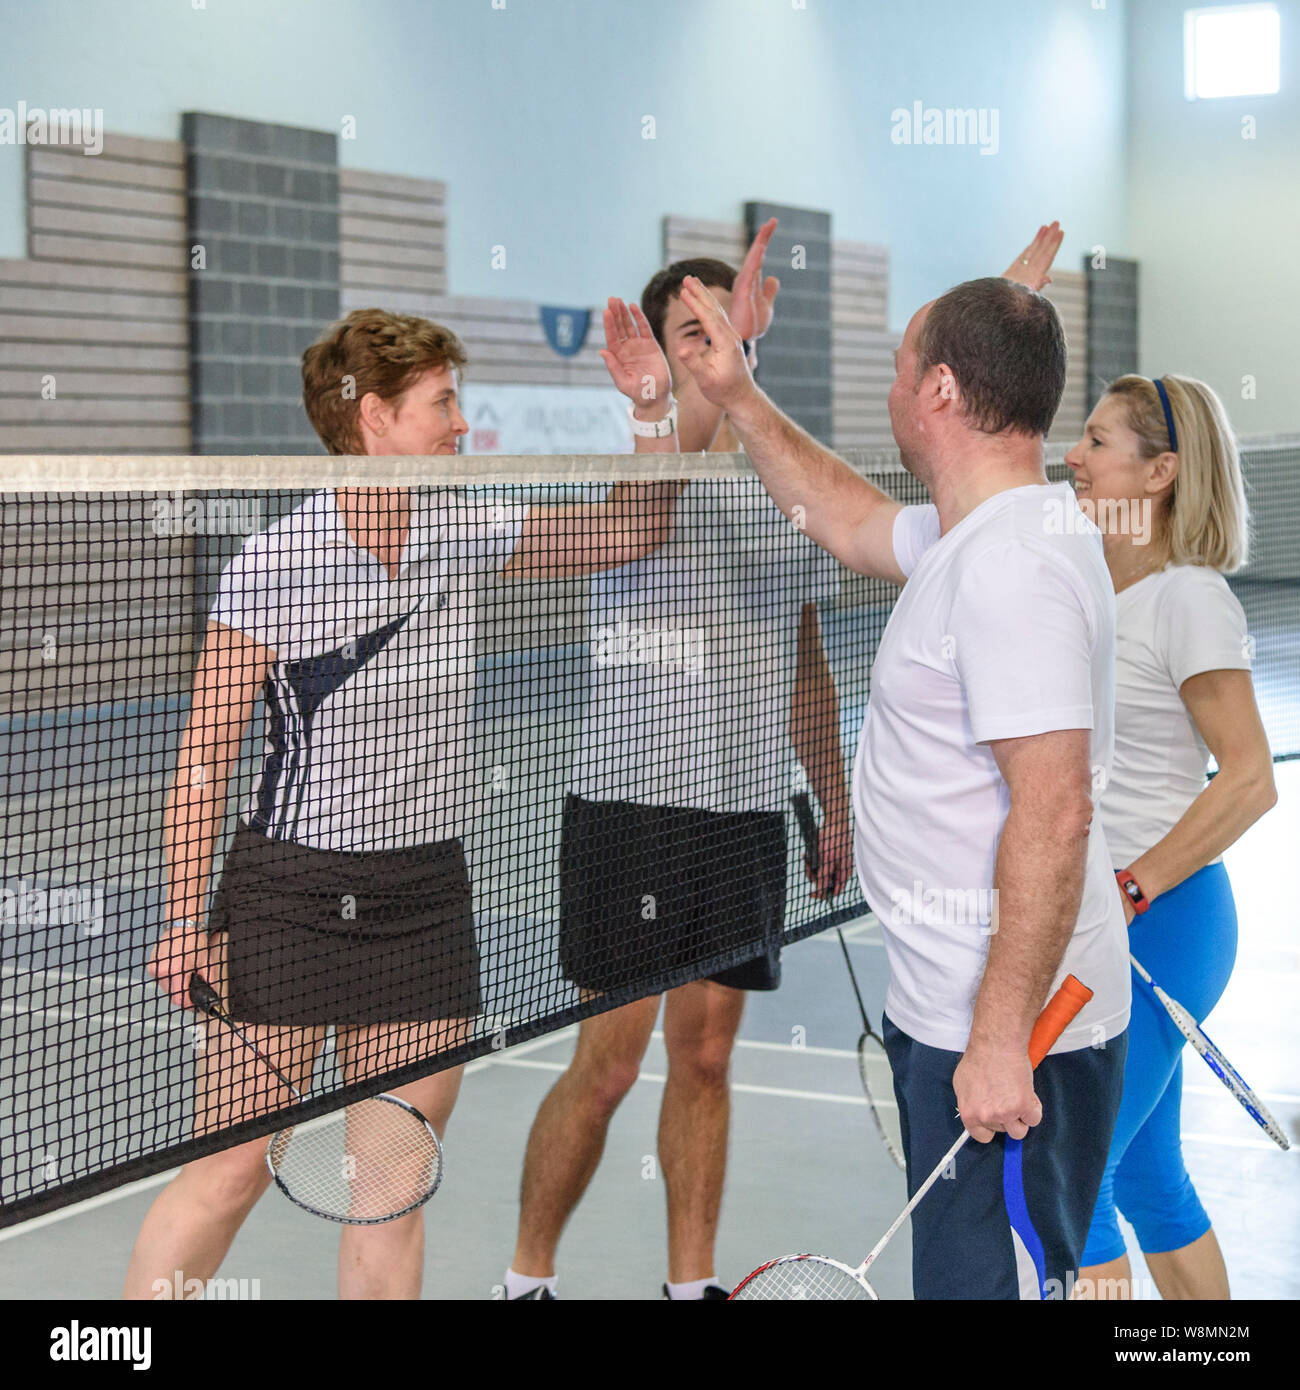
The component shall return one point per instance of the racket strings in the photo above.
(805, 1277)
(878, 1087)
(368, 1163)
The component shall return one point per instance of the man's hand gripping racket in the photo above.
(818, 1276)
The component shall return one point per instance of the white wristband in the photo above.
(654, 429)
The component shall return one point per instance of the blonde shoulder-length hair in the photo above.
(1207, 519)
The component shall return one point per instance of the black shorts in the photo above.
(649, 890)
(1013, 1223)
(323, 937)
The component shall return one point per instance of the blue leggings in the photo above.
(1187, 939)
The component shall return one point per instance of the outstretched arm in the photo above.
(636, 518)
(753, 299)
(817, 490)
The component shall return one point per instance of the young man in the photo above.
(678, 796)
(988, 733)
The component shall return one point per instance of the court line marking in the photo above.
(144, 1184)
(118, 1020)
(659, 1078)
(88, 1204)
(517, 1060)
(68, 1014)
(838, 1098)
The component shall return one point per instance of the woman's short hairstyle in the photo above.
(370, 350)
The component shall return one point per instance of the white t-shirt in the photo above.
(1171, 625)
(694, 650)
(1005, 628)
(369, 701)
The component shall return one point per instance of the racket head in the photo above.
(363, 1165)
(878, 1086)
(800, 1278)
(1246, 1098)
(1222, 1068)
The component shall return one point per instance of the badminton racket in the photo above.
(873, 1060)
(1214, 1059)
(818, 1276)
(362, 1165)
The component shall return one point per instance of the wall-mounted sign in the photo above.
(544, 419)
(565, 329)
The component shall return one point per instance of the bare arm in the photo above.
(1038, 881)
(231, 669)
(753, 297)
(585, 538)
(815, 733)
(837, 508)
(1223, 705)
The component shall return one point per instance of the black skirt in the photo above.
(649, 891)
(324, 937)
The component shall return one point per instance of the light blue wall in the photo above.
(1216, 223)
(532, 114)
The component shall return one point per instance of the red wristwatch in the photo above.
(1133, 889)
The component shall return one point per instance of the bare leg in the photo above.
(387, 1261)
(192, 1222)
(700, 1025)
(1194, 1271)
(568, 1135)
(1113, 1280)
(195, 1217)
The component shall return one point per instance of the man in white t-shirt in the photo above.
(988, 734)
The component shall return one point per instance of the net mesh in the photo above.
(365, 1164)
(440, 760)
(805, 1277)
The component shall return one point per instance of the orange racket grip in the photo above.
(1060, 1012)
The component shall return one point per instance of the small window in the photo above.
(1232, 51)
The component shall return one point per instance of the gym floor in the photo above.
(806, 1170)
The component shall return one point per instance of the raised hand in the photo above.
(751, 296)
(716, 357)
(635, 360)
(1031, 266)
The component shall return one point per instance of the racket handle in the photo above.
(808, 828)
(1062, 1009)
(202, 995)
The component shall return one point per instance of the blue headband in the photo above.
(1169, 415)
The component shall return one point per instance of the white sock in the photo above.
(695, 1289)
(519, 1284)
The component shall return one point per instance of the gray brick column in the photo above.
(794, 359)
(1112, 323)
(263, 202)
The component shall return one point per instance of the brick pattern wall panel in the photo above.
(794, 366)
(1112, 323)
(264, 204)
(1069, 292)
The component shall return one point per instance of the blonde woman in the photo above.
(1158, 469)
